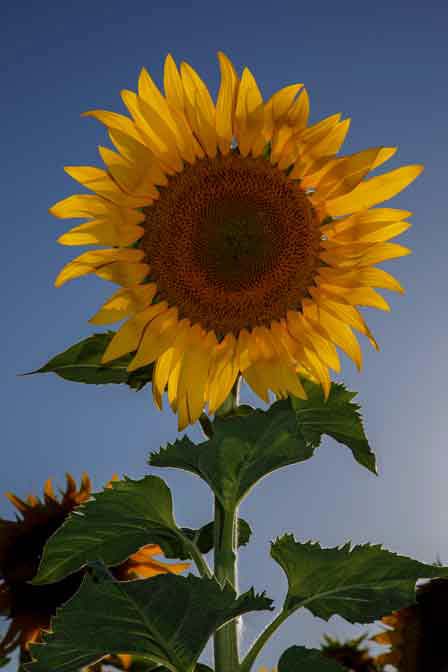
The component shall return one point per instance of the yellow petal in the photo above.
(200, 109)
(123, 273)
(131, 179)
(115, 121)
(347, 256)
(128, 336)
(345, 175)
(102, 232)
(375, 232)
(99, 181)
(155, 132)
(362, 296)
(172, 83)
(168, 367)
(226, 102)
(194, 372)
(254, 378)
(90, 205)
(140, 157)
(90, 262)
(279, 106)
(299, 113)
(373, 191)
(337, 331)
(158, 337)
(249, 115)
(370, 277)
(343, 312)
(123, 303)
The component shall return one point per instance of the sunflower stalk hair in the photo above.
(225, 640)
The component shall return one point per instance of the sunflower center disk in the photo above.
(232, 243)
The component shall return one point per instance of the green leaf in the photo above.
(111, 526)
(204, 537)
(167, 619)
(309, 660)
(337, 417)
(81, 363)
(360, 583)
(241, 451)
(4, 661)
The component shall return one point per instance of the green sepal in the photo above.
(81, 363)
(167, 619)
(310, 660)
(360, 583)
(111, 526)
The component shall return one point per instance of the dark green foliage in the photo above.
(360, 583)
(81, 363)
(167, 619)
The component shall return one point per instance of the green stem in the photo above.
(261, 640)
(199, 560)
(226, 638)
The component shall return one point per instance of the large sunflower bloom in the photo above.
(30, 608)
(241, 242)
(417, 635)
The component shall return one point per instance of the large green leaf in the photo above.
(167, 619)
(244, 449)
(81, 363)
(112, 526)
(309, 660)
(337, 417)
(360, 583)
(241, 451)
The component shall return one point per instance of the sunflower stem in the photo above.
(226, 556)
(226, 638)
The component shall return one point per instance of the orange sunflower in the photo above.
(29, 607)
(242, 244)
(417, 635)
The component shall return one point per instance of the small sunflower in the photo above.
(28, 607)
(417, 635)
(241, 243)
(350, 654)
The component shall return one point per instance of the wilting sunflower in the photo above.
(241, 242)
(29, 607)
(417, 635)
(352, 655)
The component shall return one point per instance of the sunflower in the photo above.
(350, 654)
(417, 635)
(241, 243)
(29, 607)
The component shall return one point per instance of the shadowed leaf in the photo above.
(81, 363)
(309, 660)
(112, 526)
(360, 583)
(167, 619)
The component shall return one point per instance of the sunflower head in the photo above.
(416, 635)
(242, 243)
(350, 654)
(30, 608)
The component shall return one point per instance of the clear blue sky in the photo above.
(383, 64)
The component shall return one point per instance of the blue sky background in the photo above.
(383, 64)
